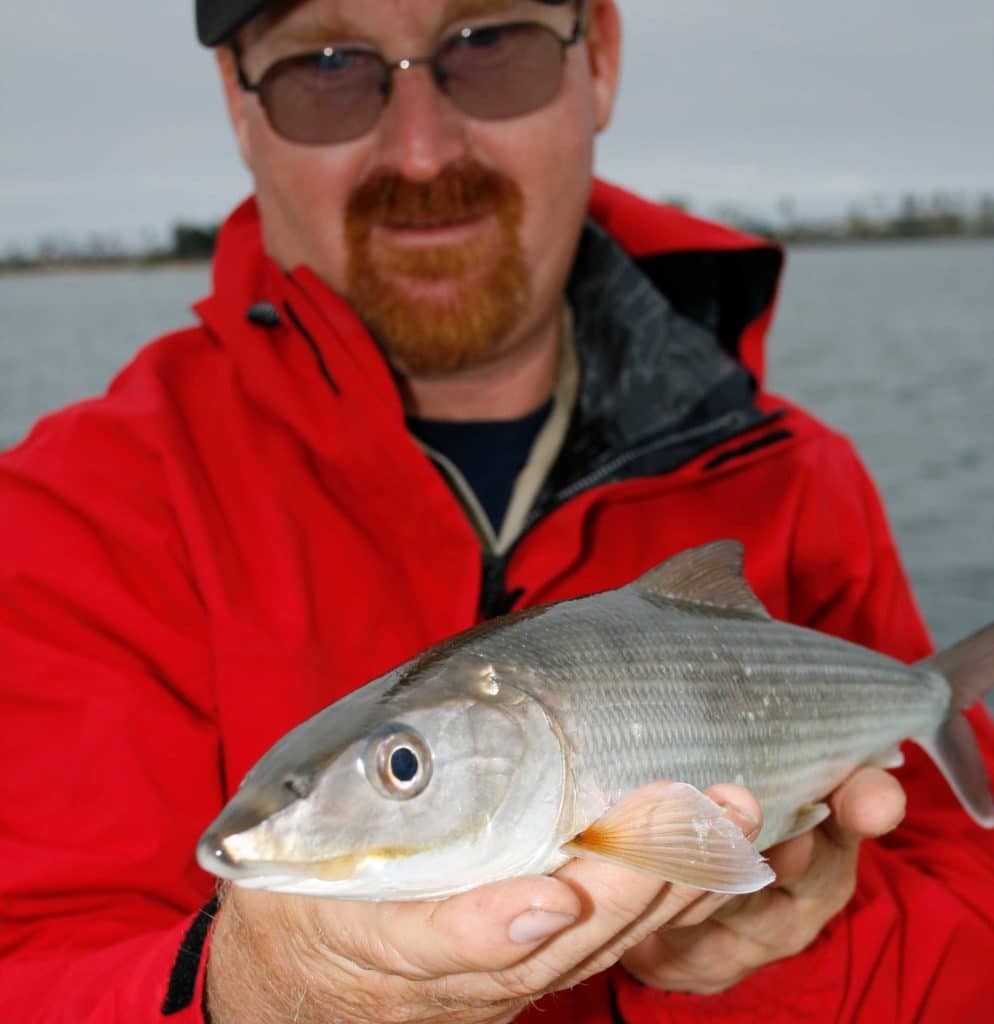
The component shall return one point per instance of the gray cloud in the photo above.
(112, 118)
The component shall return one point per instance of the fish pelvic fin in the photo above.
(674, 831)
(709, 576)
(968, 666)
(807, 817)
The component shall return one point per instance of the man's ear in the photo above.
(604, 48)
(234, 98)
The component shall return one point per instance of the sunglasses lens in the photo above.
(502, 71)
(325, 99)
(495, 72)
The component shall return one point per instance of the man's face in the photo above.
(450, 236)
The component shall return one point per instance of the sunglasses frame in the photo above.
(438, 73)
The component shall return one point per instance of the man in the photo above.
(280, 504)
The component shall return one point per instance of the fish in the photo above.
(508, 749)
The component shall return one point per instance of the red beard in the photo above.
(440, 308)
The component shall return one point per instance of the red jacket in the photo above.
(242, 531)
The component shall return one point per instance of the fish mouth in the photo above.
(217, 854)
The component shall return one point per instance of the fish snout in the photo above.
(214, 856)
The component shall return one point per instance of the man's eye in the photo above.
(482, 38)
(338, 60)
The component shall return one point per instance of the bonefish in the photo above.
(507, 749)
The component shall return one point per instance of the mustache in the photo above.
(460, 192)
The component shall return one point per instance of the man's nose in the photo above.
(420, 131)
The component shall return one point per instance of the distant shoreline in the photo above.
(105, 266)
(141, 263)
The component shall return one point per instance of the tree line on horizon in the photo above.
(941, 215)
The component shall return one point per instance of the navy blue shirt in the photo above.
(489, 453)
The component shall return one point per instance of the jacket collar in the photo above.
(722, 278)
(656, 389)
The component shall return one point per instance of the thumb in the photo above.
(487, 929)
(870, 803)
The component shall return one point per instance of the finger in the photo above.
(758, 928)
(740, 806)
(870, 803)
(830, 876)
(485, 929)
(708, 904)
(816, 874)
(625, 907)
(790, 859)
(704, 960)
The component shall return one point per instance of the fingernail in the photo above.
(535, 925)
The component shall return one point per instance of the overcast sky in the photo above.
(112, 120)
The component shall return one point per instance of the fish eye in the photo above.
(397, 762)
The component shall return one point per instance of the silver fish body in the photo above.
(646, 691)
(490, 754)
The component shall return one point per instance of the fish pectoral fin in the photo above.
(807, 817)
(674, 831)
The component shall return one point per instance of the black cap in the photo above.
(217, 20)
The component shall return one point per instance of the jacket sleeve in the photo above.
(917, 940)
(109, 753)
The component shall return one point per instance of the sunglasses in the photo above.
(492, 72)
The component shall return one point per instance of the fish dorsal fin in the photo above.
(710, 575)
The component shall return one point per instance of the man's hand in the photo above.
(816, 876)
(474, 958)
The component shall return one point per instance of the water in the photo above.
(892, 344)
(63, 336)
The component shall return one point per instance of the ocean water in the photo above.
(892, 343)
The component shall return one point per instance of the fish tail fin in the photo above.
(969, 669)
(968, 666)
(954, 750)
